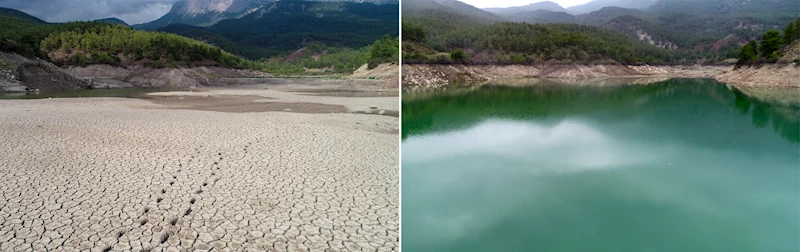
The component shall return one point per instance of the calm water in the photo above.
(680, 165)
(124, 92)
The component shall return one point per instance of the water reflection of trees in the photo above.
(784, 118)
(451, 110)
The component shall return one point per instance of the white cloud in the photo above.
(130, 11)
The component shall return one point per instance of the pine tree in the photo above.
(748, 52)
(770, 43)
(790, 33)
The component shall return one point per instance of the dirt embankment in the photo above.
(784, 73)
(443, 75)
(387, 73)
(773, 75)
(105, 76)
(20, 74)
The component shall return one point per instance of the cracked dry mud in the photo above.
(114, 174)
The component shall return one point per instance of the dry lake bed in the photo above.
(272, 167)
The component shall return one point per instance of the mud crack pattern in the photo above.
(108, 174)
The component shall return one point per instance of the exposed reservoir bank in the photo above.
(422, 76)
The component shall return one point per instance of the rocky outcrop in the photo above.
(573, 71)
(440, 75)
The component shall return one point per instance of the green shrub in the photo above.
(459, 55)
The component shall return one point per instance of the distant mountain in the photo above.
(711, 27)
(599, 4)
(646, 31)
(21, 15)
(283, 26)
(547, 5)
(287, 24)
(542, 17)
(193, 7)
(208, 12)
(201, 12)
(414, 8)
(112, 21)
(441, 16)
(722, 7)
(606, 14)
(712, 20)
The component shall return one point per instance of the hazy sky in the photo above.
(130, 11)
(509, 3)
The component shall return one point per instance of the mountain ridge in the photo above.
(283, 26)
(599, 4)
(112, 21)
(546, 5)
(207, 13)
(21, 15)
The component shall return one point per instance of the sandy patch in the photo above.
(244, 104)
(292, 95)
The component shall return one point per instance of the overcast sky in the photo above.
(509, 3)
(142, 11)
(130, 11)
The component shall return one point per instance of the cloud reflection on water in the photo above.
(567, 146)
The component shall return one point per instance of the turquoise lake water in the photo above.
(678, 165)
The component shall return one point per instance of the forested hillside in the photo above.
(290, 36)
(110, 44)
(287, 25)
(529, 43)
(692, 31)
(100, 42)
(21, 15)
(774, 46)
(113, 21)
(84, 43)
(439, 17)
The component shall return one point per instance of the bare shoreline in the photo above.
(433, 76)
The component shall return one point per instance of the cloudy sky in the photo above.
(130, 11)
(509, 3)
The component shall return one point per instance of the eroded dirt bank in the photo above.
(20, 74)
(773, 75)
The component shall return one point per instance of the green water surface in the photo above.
(679, 165)
(121, 92)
